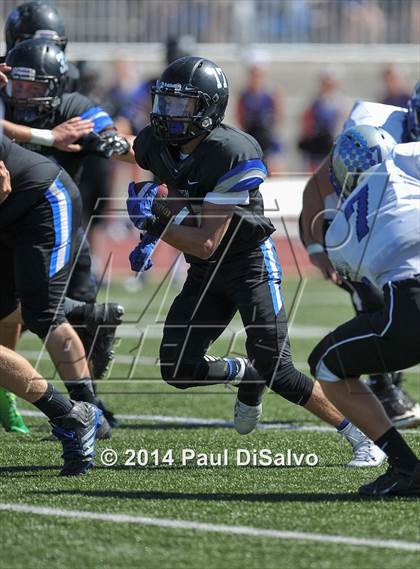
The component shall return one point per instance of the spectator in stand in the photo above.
(260, 112)
(320, 121)
(396, 91)
(118, 95)
(362, 21)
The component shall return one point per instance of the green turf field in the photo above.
(318, 500)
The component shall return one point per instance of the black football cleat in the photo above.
(98, 334)
(108, 414)
(77, 433)
(403, 411)
(104, 431)
(394, 483)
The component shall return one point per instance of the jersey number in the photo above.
(361, 199)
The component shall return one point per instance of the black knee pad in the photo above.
(175, 373)
(317, 353)
(8, 307)
(292, 384)
(167, 372)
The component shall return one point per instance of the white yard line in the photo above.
(200, 422)
(212, 528)
(154, 330)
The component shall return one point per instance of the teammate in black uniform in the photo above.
(39, 219)
(35, 102)
(40, 20)
(34, 94)
(234, 265)
(34, 97)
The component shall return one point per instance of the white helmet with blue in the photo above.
(356, 150)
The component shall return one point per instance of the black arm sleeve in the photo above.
(141, 148)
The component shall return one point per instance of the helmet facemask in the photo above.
(180, 116)
(28, 105)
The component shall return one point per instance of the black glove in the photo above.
(106, 144)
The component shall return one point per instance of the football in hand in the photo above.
(170, 204)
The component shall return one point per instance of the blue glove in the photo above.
(139, 205)
(140, 256)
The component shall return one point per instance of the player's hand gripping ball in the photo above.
(141, 196)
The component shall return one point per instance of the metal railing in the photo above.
(239, 21)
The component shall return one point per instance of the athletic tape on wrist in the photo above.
(44, 137)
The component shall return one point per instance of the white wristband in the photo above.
(314, 248)
(44, 137)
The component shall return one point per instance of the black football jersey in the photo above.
(73, 78)
(31, 174)
(226, 168)
(72, 105)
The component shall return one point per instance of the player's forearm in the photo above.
(312, 217)
(129, 157)
(22, 133)
(194, 241)
(316, 190)
(18, 132)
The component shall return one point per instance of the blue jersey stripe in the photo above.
(242, 167)
(99, 117)
(247, 184)
(91, 112)
(274, 274)
(62, 187)
(61, 207)
(52, 198)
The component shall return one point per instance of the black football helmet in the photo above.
(34, 20)
(40, 61)
(188, 100)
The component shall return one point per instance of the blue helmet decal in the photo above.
(355, 151)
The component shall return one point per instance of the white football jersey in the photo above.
(376, 232)
(390, 118)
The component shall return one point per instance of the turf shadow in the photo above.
(25, 469)
(216, 497)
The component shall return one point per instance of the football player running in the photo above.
(375, 237)
(319, 208)
(233, 261)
